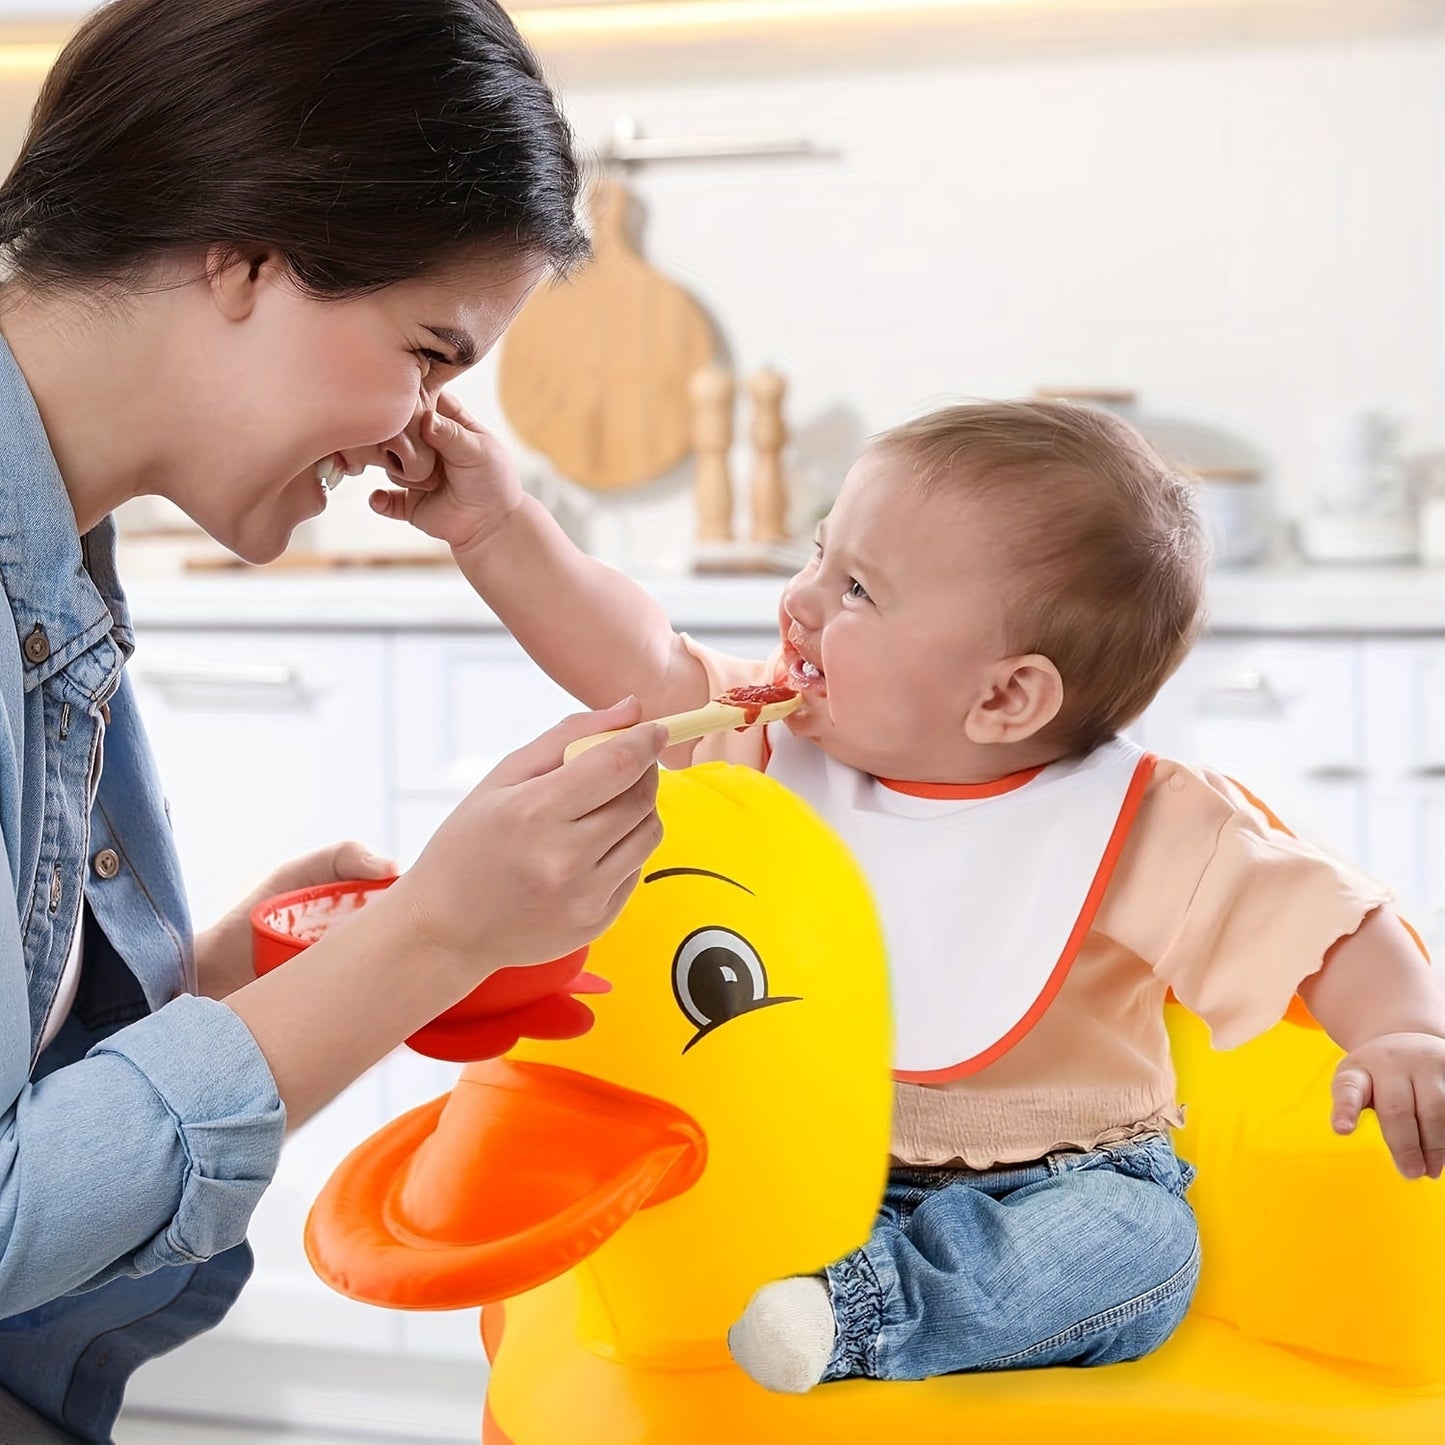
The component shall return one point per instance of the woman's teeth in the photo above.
(329, 473)
(809, 670)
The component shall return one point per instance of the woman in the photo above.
(245, 245)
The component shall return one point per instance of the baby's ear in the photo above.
(1021, 698)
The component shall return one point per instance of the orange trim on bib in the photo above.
(995, 788)
(1112, 852)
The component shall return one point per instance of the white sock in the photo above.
(786, 1334)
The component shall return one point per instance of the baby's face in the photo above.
(889, 630)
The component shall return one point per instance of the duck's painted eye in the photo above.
(716, 976)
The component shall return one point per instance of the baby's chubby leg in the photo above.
(1089, 1260)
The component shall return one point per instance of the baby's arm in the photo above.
(1380, 1001)
(592, 630)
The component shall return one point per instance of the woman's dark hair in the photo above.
(368, 141)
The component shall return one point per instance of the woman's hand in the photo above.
(223, 951)
(472, 488)
(1402, 1078)
(539, 858)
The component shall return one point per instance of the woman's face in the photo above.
(287, 383)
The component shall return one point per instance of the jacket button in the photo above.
(37, 645)
(107, 863)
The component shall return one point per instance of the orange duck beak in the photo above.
(523, 1170)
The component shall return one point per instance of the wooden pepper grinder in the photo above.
(712, 436)
(769, 433)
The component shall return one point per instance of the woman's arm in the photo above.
(154, 1148)
(536, 861)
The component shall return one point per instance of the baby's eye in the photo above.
(857, 590)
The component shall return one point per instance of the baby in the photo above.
(999, 590)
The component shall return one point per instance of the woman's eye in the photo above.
(716, 976)
(433, 358)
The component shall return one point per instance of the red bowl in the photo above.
(533, 999)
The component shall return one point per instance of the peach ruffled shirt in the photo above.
(1209, 899)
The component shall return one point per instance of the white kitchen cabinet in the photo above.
(1344, 739)
(1404, 700)
(1282, 716)
(268, 744)
(462, 704)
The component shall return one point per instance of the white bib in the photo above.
(984, 900)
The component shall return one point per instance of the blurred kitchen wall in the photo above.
(1247, 234)
(1250, 235)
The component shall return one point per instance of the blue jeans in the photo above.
(1074, 1259)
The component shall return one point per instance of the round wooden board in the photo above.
(594, 371)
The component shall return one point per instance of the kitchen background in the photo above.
(1225, 217)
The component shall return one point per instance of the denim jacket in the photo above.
(133, 1150)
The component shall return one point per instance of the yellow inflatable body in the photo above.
(725, 1122)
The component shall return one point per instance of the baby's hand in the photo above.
(472, 489)
(1402, 1078)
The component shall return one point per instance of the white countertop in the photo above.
(1290, 600)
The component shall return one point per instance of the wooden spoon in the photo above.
(741, 707)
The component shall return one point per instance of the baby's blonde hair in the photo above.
(1109, 556)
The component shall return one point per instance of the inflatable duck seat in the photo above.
(614, 1199)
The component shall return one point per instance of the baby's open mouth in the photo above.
(805, 676)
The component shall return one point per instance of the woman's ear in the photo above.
(1021, 698)
(236, 274)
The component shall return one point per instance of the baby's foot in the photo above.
(785, 1336)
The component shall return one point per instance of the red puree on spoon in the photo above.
(753, 700)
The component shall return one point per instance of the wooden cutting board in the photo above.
(594, 371)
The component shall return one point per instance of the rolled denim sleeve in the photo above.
(152, 1150)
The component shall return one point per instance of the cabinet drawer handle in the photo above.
(1428, 770)
(230, 687)
(1240, 692)
(1335, 773)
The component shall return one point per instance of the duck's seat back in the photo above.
(1310, 1240)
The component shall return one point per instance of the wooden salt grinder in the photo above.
(711, 389)
(769, 432)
